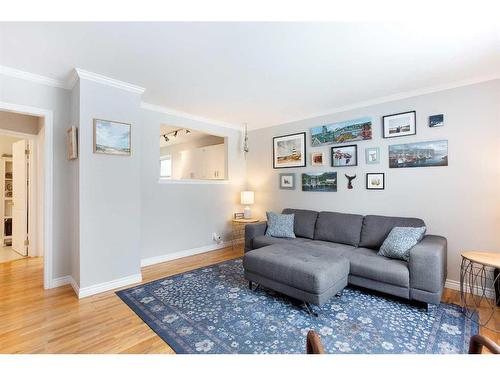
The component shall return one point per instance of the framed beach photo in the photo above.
(317, 159)
(372, 155)
(112, 137)
(375, 181)
(287, 181)
(399, 124)
(289, 151)
(345, 156)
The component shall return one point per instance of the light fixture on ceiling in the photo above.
(174, 133)
(166, 137)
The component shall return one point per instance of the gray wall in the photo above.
(109, 189)
(18, 91)
(460, 201)
(181, 216)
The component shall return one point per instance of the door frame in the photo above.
(33, 191)
(44, 180)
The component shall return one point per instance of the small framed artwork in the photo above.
(372, 155)
(289, 151)
(375, 181)
(345, 156)
(72, 143)
(436, 121)
(287, 181)
(399, 124)
(317, 159)
(111, 137)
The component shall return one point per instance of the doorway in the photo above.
(18, 186)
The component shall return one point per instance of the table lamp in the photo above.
(246, 199)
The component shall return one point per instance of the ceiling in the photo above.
(259, 73)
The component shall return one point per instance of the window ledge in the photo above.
(168, 181)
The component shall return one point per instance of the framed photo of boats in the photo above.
(399, 124)
(342, 132)
(345, 156)
(420, 154)
(289, 151)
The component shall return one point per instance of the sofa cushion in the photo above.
(367, 264)
(261, 241)
(375, 229)
(338, 227)
(400, 240)
(305, 221)
(280, 225)
(313, 271)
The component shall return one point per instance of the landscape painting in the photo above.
(289, 151)
(111, 137)
(342, 132)
(420, 154)
(399, 124)
(324, 182)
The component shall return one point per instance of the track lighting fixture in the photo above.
(174, 133)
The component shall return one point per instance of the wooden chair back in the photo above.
(314, 345)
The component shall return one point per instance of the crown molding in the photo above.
(43, 80)
(84, 74)
(173, 112)
(389, 98)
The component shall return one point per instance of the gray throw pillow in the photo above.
(400, 240)
(280, 225)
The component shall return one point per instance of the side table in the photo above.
(478, 273)
(238, 230)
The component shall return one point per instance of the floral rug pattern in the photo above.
(211, 310)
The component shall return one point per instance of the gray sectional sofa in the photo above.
(333, 249)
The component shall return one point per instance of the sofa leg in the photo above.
(250, 285)
(310, 310)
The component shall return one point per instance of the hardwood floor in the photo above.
(34, 320)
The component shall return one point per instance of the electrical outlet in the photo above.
(216, 237)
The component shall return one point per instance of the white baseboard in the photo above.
(455, 285)
(182, 254)
(108, 285)
(60, 281)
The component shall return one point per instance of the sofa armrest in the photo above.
(428, 264)
(252, 231)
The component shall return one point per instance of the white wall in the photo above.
(74, 186)
(460, 202)
(109, 189)
(179, 216)
(23, 92)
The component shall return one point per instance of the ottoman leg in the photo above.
(310, 310)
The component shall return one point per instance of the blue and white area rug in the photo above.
(211, 310)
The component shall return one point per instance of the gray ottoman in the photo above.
(313, 275)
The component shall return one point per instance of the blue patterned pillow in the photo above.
(399, 242)
(279, 225)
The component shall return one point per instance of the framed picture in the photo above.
(111, 137)
(345, 156)
(72, 143)
(436, 121)
(399, 124)
(341, 132)
(372, 155)
(317, 159)
(289, 151)
(375, 181)
(324, 182)
(419, 154)
(287, 181)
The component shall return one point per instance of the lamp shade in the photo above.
(247, 197)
